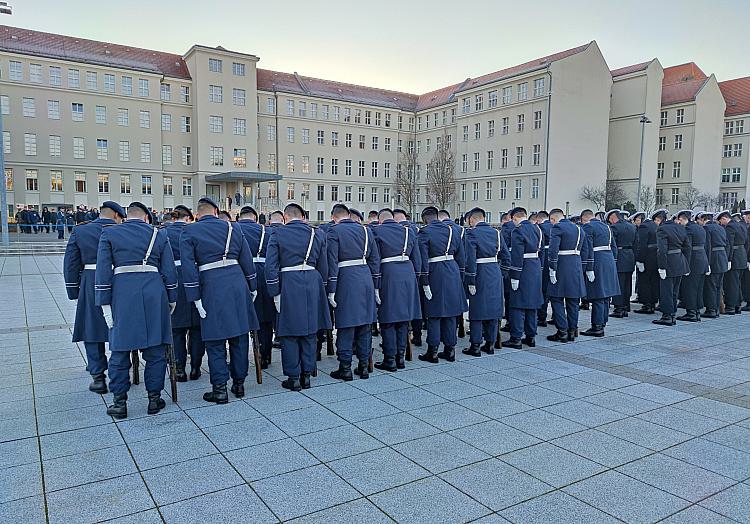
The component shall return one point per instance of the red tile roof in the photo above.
(48, 45)
(683, 73)
(736, 95)
(681, 83)
(631, 69)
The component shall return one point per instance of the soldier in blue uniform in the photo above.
(352, 286)
(673, 257)
(402, 217)
(542, 220)
(296, 269)
(486, 253)
(737, 238)
(136, 287)
(445, 217)
(442, 253)
(257, 237)
(691, 288)
(79, 265)
(525, 280)
(624, 234)
(648, 268)
(219, 274)
(718, 251)
(601, 271)
(400, 263)
(746, 274)
(506, 227)
(186, 323)
(567, 248)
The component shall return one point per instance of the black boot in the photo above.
(344, 372)
(155, 402)
(180, 375)
(304, 381)
(292, 383)
(596, 330)
(728, 310)
(747, 307)
(195, 372)
(738, 310)
(560, 336)
(646, 309)
(514, 343)
(690, 316)
(400, 362)
(665, 320)
(119, 407)
(319, 350)
(388, 364)
(99, 384)
(572, 334)
(448, 353)
(362, 371)
(710, 313)
(265, 362)
(238, 388)
(505, 328)
(489, 348)
(416, 341)
(430, 355)
(472, 350)
(618, 313)
(217, 394)
(529, 341)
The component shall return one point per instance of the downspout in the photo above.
(276, 141)
(546, 153)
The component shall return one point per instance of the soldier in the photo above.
(220, 280)
(186, 323)
(691, 288)
(507, 226)
(623, 233)
(486, 252)
(718, 258)
(445, 217)
(79, 265)
(567, 247)
(636, 219)
(737, 238)
(746, 274)
(136, 288)
(325, 335)
(673, 258)
(296, 266)
(525, 280)
(353, 282)
(545, 225)
(442, 256)
(402, 217)
(601, 271)
(257, 240)
(400, 263)
(647, 267)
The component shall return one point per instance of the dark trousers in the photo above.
(394, 338)
(522, 321)
(732, 290)
(297, 355)
(96, 359)
(669, 289)
(442, 329)
(347, 339)
(153, 372)
(238, 359)
(541, 313)
(197, 348)
(483, 329)
(416, 327)
(60, 232)
(265, 336)
(746, 286)
(649, 287)
(565, 312)
(712, 291)
(691, 291)
(622, 301)
(599, 311)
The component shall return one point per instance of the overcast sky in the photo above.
(411, 45)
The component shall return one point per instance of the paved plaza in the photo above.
(649, 424)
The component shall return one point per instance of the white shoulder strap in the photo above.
(262, 236)
(229, 239)
(367, 242)
(406, 240)
(610, 236)
(499, 243)
(578, 241)
(309, 245)
(541, 237)
(450, 239)
(150, 246)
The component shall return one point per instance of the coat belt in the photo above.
(564, 252)
(355, 262)
(650, 245)
(531, 255)
(487, 260)
(218, 264)
(259, 260)
(177, 263)
(721, 248)
(738, 247)
(699, 248)
(602, 248)
(139, 268)
(441, 258)
(89, 266)
(397, 258)
(674, 251)
(300, 267)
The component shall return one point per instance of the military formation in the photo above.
(203, 285)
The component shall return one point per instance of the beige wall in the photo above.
(734, 162)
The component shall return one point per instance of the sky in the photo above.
(413, 46)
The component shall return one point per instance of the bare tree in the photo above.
(615, 195)
(441, 175)
(405, 183)
(597, 195)
(709, 201)
(648, 200)
(690, 196)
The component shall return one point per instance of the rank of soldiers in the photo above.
(201, 285)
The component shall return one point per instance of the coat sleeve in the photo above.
(373, 259)
(554, 247)
(504, 255)
(641, 240)
(322, 263)
(516, 254)
(416, 257)
(190, 276)
(104, 272)
(272, 266)
(687, 249)
(614, 242)
(662, 246)
(424, 252)
(331, 253)
(470, 241)
(72, 267)
(460, 255)
(588, 259)
(707, 245)
(245, 258)
(167, 268)
(730, 242)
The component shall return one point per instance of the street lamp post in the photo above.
(5, 9)
(644, 120)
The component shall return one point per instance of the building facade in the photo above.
(736, 142)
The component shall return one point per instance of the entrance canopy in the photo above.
(243, 176)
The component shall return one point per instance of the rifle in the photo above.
(256, 356)
(172, 366)
(408, 345)
(461, 328)
(499, 339)
(329, 336)
(136, 360)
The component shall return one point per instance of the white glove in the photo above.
(709, 271)
(199, 306)
(748, 265)
(662, 274)
(427, 292)
(107, 312)
(172, 307)
(377, 296)
(590, 276)
(687, 274)
(254, 295)
(332, 299)
(277, 303)
(514, 284)
(472, 289)
(641, 267)
(729, 266)
(553, 276)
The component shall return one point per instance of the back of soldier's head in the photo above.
(340, 211)
(385, 214)
(587, 214)
(557, 213)
(276, 217)
(443, 215)
(294, 211)
(136, 212)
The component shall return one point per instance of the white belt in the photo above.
(441, 258)
(89, 266)
(397, 258)
(217, 264)
(564, 252)
(140, 268)
(546, 247)
(487, 260)
(178, 263)
(301, 267)
(602, 248)
(349, 263)
(531, 255)
(259, 260)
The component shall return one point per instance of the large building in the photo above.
(88, 121)
(736, 146)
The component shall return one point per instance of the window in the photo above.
(361, 168)
(523, 91)
(466, 105)
(334, 193)
(477, 131)
(377, 118)
(475, 191)
(663, 119)
(336, 113)
(678, 141)
(361, 194)
(660, 170)
(725, 175)
(348, 167)
(306, 164)
(491, 101)
(476, 161)
(662, 143)
(124, 151)
(464, 163)
(676, 165)
(55, 76)
(465, 130)
(145, 152)
(728, 199)
(290, 163)
(271, 162)
(375, 143)
(478, 103)
(675, 195)
(521, 122)
(168, 186)
(374, 169)
(736, 174)
(238, 97)
(302, 109)
(55, 180)
(146, 184)
(102, 180)
(239, 126)
(216, 156)
(503, 190)
(214, 65)
(166, 122)
(144, 119)
(537, 154)
(185, 94)
(348, 193)
(368, 117)
(504, 158)
(102, 149)
(273, 190)
(239, 157)
(490, 160)
(428, 142)
(271, 133)
(215, 94)
(334, 138)
(506, 125)
(271, 106)
(80, 181)
(386, 195)
(29, 144)
(320, 165)
(519, 189)
(185, 124)
(166, 155)
(187, 155)
(488, 190)
(215, 124)
(15, 70)
(91, 81)
(361, 141)
(32, 180)
(680, 116)
(387, 170)
(374, 195)
(5, 104)
(313, 110)
(74, 78)
(537, 119)
(463, 192)
(238, 69)
(76, 110)
(55, 145)
(123, 118)
(6, 142)
(290, 135)
(29, 107)
(539, 87)
(519, 156)
(165, 92)
(321, 137)
(126, 85)
(290, 191)
(734, 127)
(100, 115)
(534, 188)
(187, 186)
(125, 184)
(507, 95)
(324, 111)
(737, 150)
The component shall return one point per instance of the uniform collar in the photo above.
(481, 224)
(208, 217)
(390, 221)
(247, 220)
(103, 220)
(346, 221)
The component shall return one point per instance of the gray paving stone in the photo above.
(19, 452)
(272, 458)
(360, 510)
(18, 482)
(454, 389)
(542, 424)
(339, 442)
(177, 482)
(736, 437)
(553, 465)
(714, 409)
(144, 517)
(684, 421)
(655, 393)
(333, 393)
(554, 508)
(431, 500)
(16, 409)
(69, 401)
(283, 402)
(359, 409)
(697, 515)
(377, 470)
(439, 453)
(394, 429)
(496, 363)
(627, 404)
(92, 466)
(29, 510)
(536, 396)
(448, 416)
(713, 457)
(601, 447)
(496, 381)
(605, 380)
(243, 433)
(221, 414)
(236, 505)
(74, 419)
(590, 415)
(495, 405)
(410, 398)
(422, 376)
(378, 384)
(170, 449)
(733, 503)
(145, 428)
(494, 438)
(306, 420)
(645, 433)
